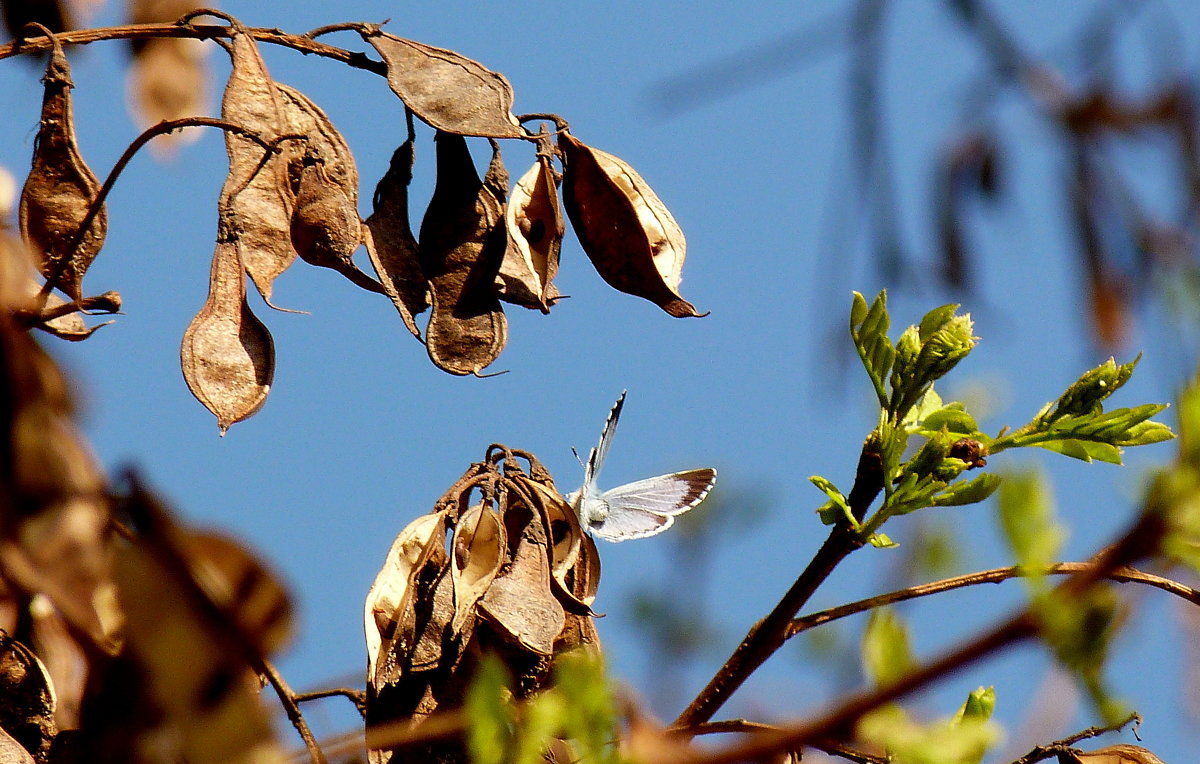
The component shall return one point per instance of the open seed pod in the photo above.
(625, 229)
(535, 231)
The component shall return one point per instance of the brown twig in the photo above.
(769, 634)
(301, 43)
(833, 748)
(291, 706)
(993, 576)
(1043, 752)
(357, 697)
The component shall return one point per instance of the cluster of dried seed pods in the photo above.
(500, 565)
(292, 192)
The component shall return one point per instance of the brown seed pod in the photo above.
(325, 226)
(257, 197)
(228, 356)
(60, 189)
(535, 231)
(1123, 753)
(390, 242)
(303, 117)
(451, 93)
(462, 242)
(479, 549)
(632, 240)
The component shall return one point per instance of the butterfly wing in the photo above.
(625, 523)
(667, 495)
(600, 452)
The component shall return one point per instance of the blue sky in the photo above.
(361, 433)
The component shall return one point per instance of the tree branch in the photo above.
(769, 634)
(993, 576)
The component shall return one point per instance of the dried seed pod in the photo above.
(391, 591)
(28, 709)
(325, 226)
(303, 117)
(478, 552)
(535, 232)
(632, 240)
(60, 189)
(257, 197)
(520, 603)
(452, 93)
(1122, 753)
(461, 245)
(390, 242)
(228, 356)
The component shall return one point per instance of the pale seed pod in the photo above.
(1122, 753)
(60, 189)
(479, 550)
(462, 242)
(390, 242)
(227, 354)
(535, 231)
(449, 92)
(168, 77)
(625, 229)
(257, 197)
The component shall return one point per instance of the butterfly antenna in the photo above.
(577, 456)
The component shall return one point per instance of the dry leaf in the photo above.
(227, 355)
(1118, 754)
(478, 552)
(26, 699)
(461, 245)
(630, 237)
(390, 241)
(535, 232)
(60, 189)
(452, 93)
(392, 586)
(257, 197)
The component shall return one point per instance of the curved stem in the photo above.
(993, 576)
(138, 143)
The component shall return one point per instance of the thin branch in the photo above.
(833, 748)
(301, 43)
(287, 699)
(993, 576)
(357, 697)
(1043, 752)
(769, 634)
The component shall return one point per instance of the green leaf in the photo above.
(936, 319)
(1027, 519)
(591, 715)
(886, 655)
(1083, 450)
(543, 718)
(1080, 629)
(945, 741)
(881, 541)
(951, 418)
(967, 492)
(490, 733)
(979, 705)
(836, 509)
(869, 330)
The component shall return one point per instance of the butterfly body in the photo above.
(639, 509)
